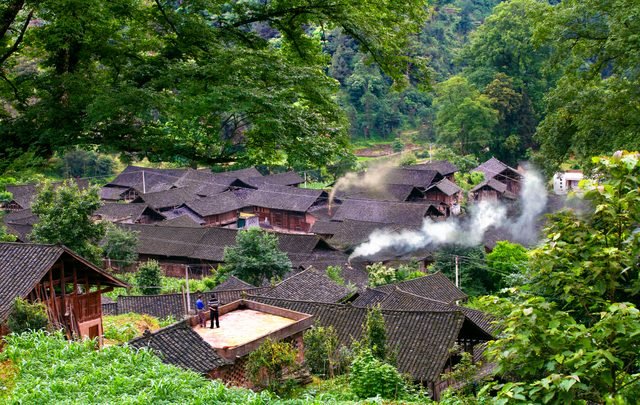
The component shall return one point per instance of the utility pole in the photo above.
(457, 274)
(186, 276)
(144, 186)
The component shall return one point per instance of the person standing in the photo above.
(202, 319)
(214, 304)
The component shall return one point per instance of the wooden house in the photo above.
(132, 213)
(286, 208)
(70, 287)
(497, 171)
(24, 194)
(446, 196)
(217, 210)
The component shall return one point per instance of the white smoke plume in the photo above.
(471, 231)
(372, 179)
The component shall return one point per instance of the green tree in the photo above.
(120, 246)
(211, 82)
(256, 257)
(375, 335)
(64, 214)
(464, 118)
(321, 350)
(593, 107)
(335, 274)
(372, 377)
(25, 316)
(266, 365)
(508, 261)
(474, 275)
(149, 278)
(571, 333)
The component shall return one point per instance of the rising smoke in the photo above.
(469, 232)
(372, 179)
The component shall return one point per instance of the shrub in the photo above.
(120, 246)
(266, 366)
(149, 278)
(321, 350)
(375, 335)
(335, 274)
(26, 316)
(372, 377)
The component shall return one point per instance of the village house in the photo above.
(217, 210)
(501, 182)
(286, 209)
(446, 196)
(69, 286)
(564, 182)
(385, 212)
(221, 353)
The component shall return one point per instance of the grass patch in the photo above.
(122, 328)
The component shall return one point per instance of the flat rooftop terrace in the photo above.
(242, 326)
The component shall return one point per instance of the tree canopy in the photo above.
(193, 81)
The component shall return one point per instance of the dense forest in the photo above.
(289, 83)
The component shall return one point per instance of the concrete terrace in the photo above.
(242, 326)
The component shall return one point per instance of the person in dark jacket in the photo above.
(214, 304)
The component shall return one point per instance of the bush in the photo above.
(335, 274)
(120, 246)
(266, 366)
(321, 350)
(372, 377)
(149, 278)
(26, 316)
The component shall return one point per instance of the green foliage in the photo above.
(375, 335)
(335, 274)
(321, 352)
(149, 278)
(464, 118)
(256, 257)
(464, 374)
(508, 261)
(475, 277)
(379, 274)
(5, 236)
(119, 329)
(593, 107)
(266, 365)
(408, 159)
(210, 82)
(465, 163)
(570, 334)
(82, 163)
(25, 316)
(120, 246)
(64, 215)
(372, 377)
(65, 370)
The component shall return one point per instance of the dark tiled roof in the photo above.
(491, 183)
(233, 283)
(283, 179)
(354, 232)
(382, 212)
(20, 231)
(388, 192)
(168, 198)
(326, 227)
(434, 286)
(147, 179)
(444, 167)
(421, 339)
(22, 265)
(400, 300)
(407, 176)
(181, 346)
(285, 198)
(216, 204)
(22, 217)
(493, 167)
(183, 221)
(112, 192)
(369, 298)
(165, 305)
(124, 212)
(446, 186)
(309, 285)
(23, 194)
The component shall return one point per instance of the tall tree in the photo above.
(465, 118)
(256, 257)
(595, 106)
(64, 214)
(197, 81)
